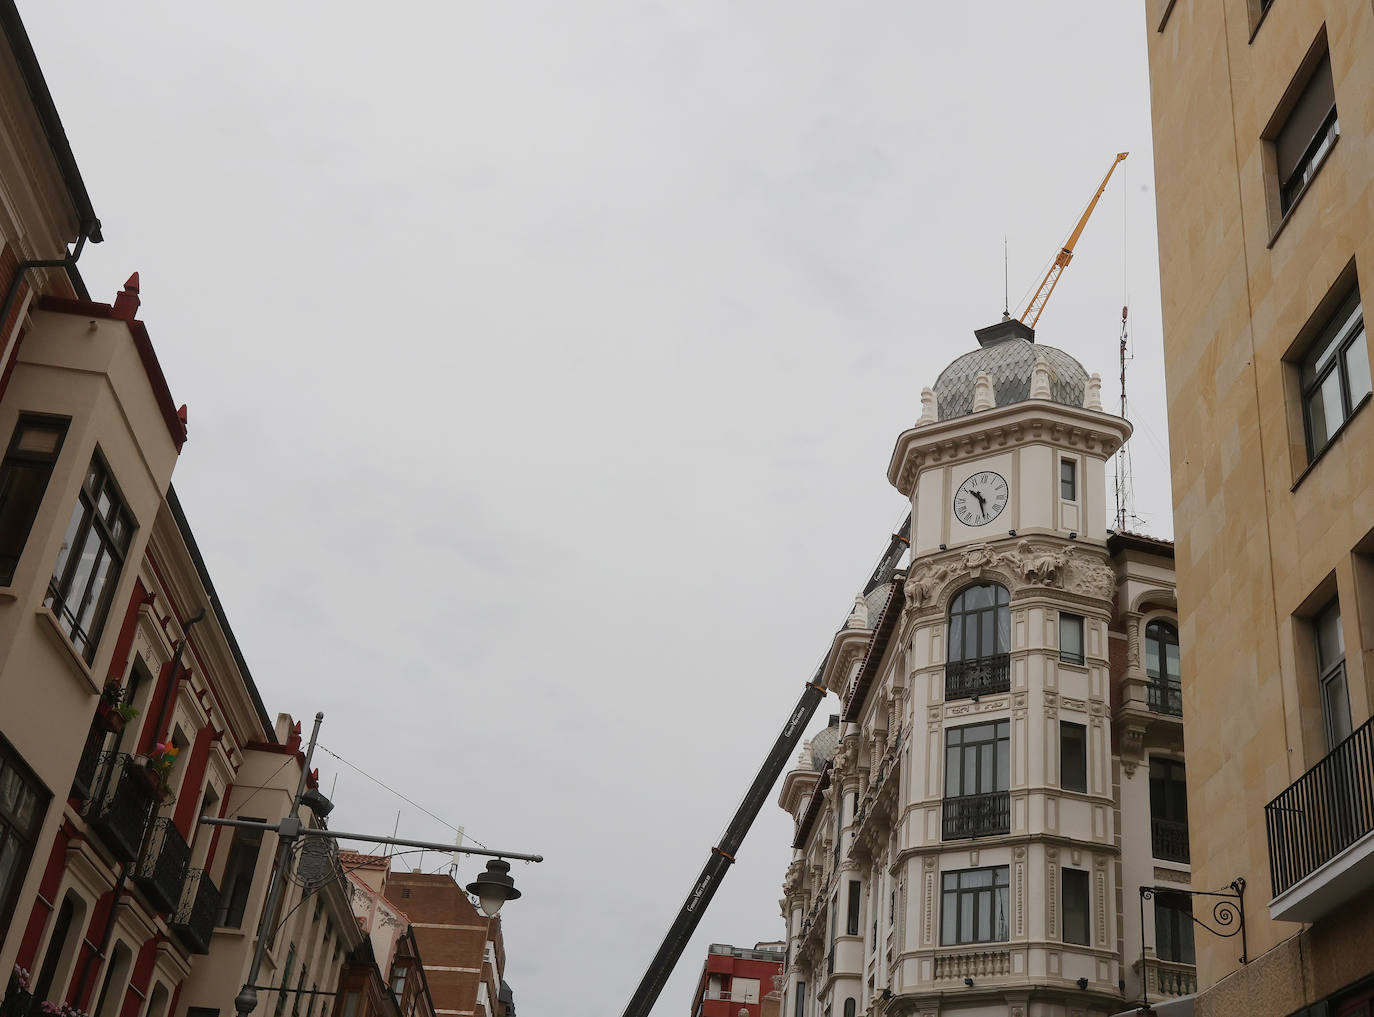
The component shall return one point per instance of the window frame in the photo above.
(1285, 193)
(12, 762)
(1179, 908)
(853, 908)
(1070, 481)
(1175, 775)
(1077, 878)
(1329, 674)
(1001, 757)
(1340, 331)
(1171, 685)
(16, 460)
(994, 618)
(1081, 755)
(1080, 623)
(1001, 880)
(98, 482)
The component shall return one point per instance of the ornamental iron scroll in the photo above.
(1228, 919)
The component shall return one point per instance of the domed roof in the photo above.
(824, 744)
(1008, 361)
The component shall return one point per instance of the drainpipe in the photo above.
(67, 262)
(159, 734)
(105, 937)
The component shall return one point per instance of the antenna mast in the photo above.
(1123, 455)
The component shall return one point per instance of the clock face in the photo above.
(980, 499)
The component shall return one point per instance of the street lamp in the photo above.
(494, 887)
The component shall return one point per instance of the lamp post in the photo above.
(493, 887)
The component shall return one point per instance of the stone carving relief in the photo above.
(1042, 565)
(923, 582)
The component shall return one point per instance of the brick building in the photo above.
(464, 955)
(737, 981)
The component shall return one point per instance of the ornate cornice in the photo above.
(1026, 568)
(1028, 422)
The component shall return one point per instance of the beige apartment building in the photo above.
(1264, 164)
(973, 828)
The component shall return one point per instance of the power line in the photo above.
(403, 798)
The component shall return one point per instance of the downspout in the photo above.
(67, 262)
(104, 938)
(159, 734)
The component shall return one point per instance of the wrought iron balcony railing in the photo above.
(1169, 839)
(163, 869)
(121, 804)
(1161, 697)
(977, 815)
(1323, 812)
(980, 676)
(194, 921)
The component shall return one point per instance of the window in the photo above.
(1331, 670)
(852, 922)
(398, 981)
(1168, 809)
(23, 801)
(973, 906)
(979, 623)
(108, 1003)
(23, 480)
(1074, 895)
(285, 980)
(350, 1005)
(88, 565)
(1068, 480)
(977, 778)
(851, 1007)
(1307, 133)
(300, 990)
(238, 874)
(1073, 757)
(801, 999)
(1070, 638)
(1174, 927)
(744, 990)
(1335, 375)
(1161, 664)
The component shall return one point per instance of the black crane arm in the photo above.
(723, 854)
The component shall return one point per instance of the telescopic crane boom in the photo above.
(723, 854)
(1061, 261)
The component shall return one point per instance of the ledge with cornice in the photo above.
(1059, 840)
(1029, 422)
(846, 650)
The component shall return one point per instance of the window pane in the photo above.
(949, 917)
(970, 782)
(1003, 766)
(1075, 898)
(956, 639)
(1336, 707)
(966, 926)
(1003, 630)
(1357, 369)
(1070, 637)
(983, 931)
(1330, 638)
(1067, 480)
(23, 485)
(978, 596)
(68, 540)
(1325, 411)
(953, 771)
(1073, 757)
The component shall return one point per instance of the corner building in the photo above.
(1264, 166)
(958, 846)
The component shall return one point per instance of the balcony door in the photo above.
(977, 780)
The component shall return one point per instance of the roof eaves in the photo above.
(813, 806)
(877, 647)
(46, 109)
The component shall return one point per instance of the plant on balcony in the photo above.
(60, 1010)
(112, 712)
(155, 767)
(22, 979)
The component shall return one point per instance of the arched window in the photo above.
(979, 641)
(1161, 664)
(850, 1006)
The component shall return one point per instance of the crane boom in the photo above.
(723, 854)
(1061, 261)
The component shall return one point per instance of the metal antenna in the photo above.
(1006, 295)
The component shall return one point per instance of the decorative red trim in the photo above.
(141, 976)
(119, 663)
(152, 718)
(188, 804)
(47, 891)
(102, 916)
(176, 426)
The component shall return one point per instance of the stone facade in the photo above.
(1275, 525)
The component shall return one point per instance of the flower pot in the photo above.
(109, 720)
(148, 777)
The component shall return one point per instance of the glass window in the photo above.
(978, 759)
(238, 875)
(1073, 757)
(1074, 885)
(1335, 374)
(980, 623)
(1070, 638)
(285, 980)
(1168, 810)
(1068, 480)
(1331, 668)
(1162, 666)
(89, 562)
(23, 479)
(1174, 927)
(23, 801)
(1309, 131)
(852, 923)
(973, 906)
(850, 1007)
(801, 1000)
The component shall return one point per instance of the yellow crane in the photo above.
(1061, 261)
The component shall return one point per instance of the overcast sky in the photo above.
(544, 360)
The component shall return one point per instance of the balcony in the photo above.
(1168, 978)
(1169, 839)
(194, 922)
(163, 868)
(977, 815)
(981, 676)
(1321, 832)
(119, 808)
(1161, 697)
